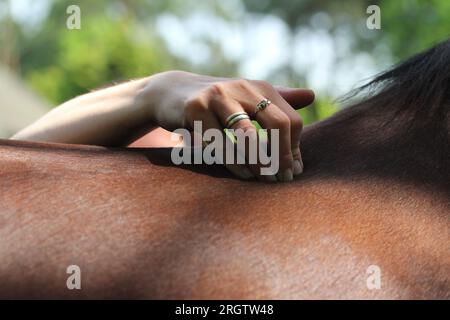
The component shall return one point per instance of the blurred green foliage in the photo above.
(88, 59)
(411, 26)
(60, 63)
(118, 40)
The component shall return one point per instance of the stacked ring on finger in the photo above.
(262, 105)
(235, 118)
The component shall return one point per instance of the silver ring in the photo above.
(234, 118)
(262, 105)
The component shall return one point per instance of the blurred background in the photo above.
(320, 44)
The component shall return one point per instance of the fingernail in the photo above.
(287, 175)
(298, 167)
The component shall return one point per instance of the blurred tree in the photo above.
(410, 26)
(407, 27)
(112, 45)
(105, 51)
(119, 40)
(8, 37)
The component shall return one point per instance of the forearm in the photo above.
(110, 117)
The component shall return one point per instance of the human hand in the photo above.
(176, 99)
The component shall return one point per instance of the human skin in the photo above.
(119, 115)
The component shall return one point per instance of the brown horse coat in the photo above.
(375, 192)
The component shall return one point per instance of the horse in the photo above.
(372, 203)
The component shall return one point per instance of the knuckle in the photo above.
(286, 160)
(197, 104)
(217, 89)
(243, 84)
(296, 154)
(264, 85)
(281, 121)
(296, 122)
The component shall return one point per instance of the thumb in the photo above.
(296, 97)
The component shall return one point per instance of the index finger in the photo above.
(296, 97)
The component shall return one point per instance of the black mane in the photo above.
(398, 127)
(420, 86)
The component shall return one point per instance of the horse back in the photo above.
(140, 228)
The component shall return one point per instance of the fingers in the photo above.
(296, 123)
(209, 121)
(279, 115)
(226, 97)
(295, 97)
(245, 133)
(248, 144)
(296, 127)
(274, 118)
